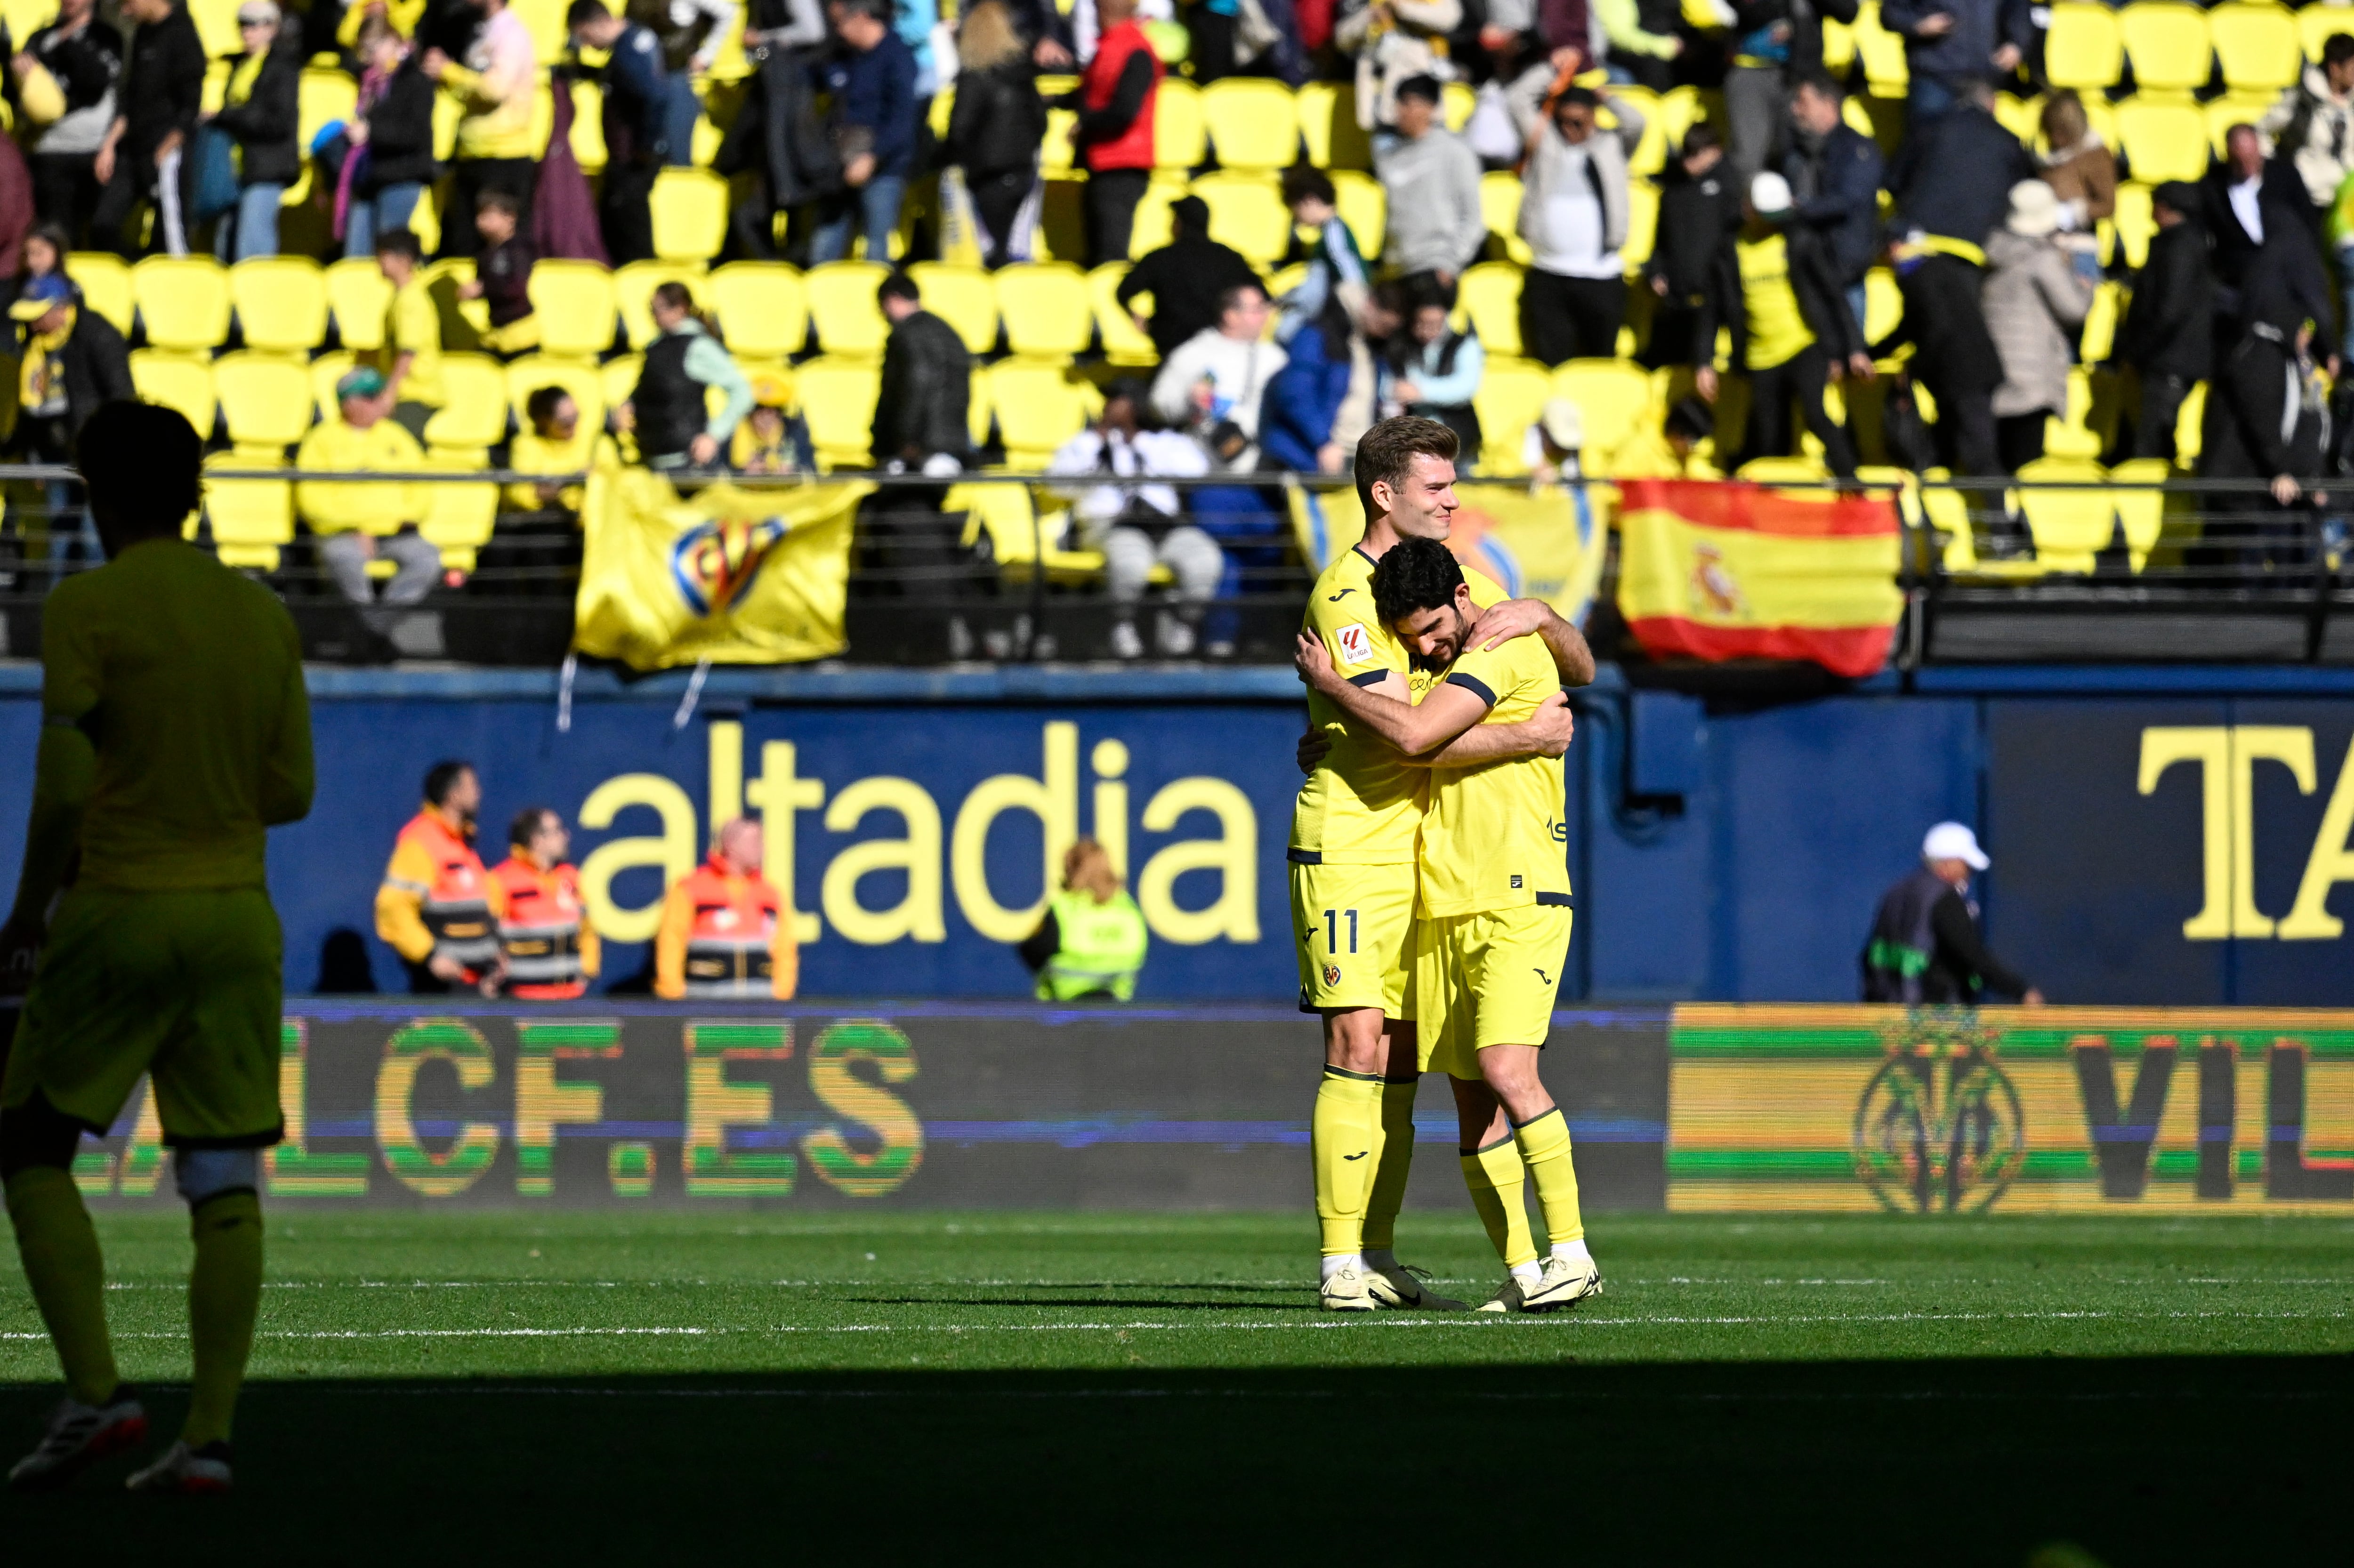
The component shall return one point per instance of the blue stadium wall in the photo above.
(2161, 836)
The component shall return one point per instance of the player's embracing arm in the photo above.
(1499, 623)
(64, 774)
(288, 776)
(1449, 710)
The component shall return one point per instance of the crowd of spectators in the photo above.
(1772, 215)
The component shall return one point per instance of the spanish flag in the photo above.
(735, 576)
(1720, 570)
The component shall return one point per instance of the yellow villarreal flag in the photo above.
(1717, 571)
(737, 577)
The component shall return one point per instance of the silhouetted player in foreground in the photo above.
(174, 731)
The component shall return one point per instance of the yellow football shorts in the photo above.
(1352, 926)
(185, 986)
(1487, 980)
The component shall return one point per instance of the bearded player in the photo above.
(1493, 916)
(1353, 852)
(174, 731)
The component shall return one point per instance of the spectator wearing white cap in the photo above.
(2035, 298)
(1776, 287)
(1925, 946)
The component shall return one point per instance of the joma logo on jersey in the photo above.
(1339, 597)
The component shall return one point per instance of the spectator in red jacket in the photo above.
(1114, 137)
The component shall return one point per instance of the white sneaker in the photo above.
(184, 1471)
(78, 1436)
(1125, 642)
(1347, 1291)
(1175, 635)
(1564, 1283)
(1400, 1287)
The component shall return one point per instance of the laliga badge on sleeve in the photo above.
(1355, 643)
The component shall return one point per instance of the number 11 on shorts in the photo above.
(1332, 929)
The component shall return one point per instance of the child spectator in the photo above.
(409, 360)
(770, 440)
(1335, 264)
(502, 276)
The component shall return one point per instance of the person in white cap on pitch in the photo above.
(1924, 945)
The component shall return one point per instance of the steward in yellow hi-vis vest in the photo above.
(725, 932)
(551, 950)
(1093, 939)
(438, 907)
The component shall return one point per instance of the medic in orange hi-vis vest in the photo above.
(551, 949)
(724, 931)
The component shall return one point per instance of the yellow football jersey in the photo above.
(1361, 806)
(1496, 836)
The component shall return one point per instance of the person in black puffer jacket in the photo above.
(996, 126)
(259, 109)
(2166, 337)
(1699, 204)
(391, 161)
(927, 383)
(155, 111)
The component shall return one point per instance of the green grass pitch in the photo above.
(653, 1386)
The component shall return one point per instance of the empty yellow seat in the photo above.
(838, 398)
(182, 381)
(1490, 295)
(216, 23)
(2256, 43)
(573, 302)
(1500, 208)
(1246, 212)
(458, 518)
(183, 301)
(1884, 304)
(473, 412)
(1511, 396)
(1153, 223)
(1885, 70)
(280, 302)
(1328, 126)
(1180, 133)
(634, 293)
(843, 308)
(359, 297)
(620, 375)
(962, 296)
(1124, 342)
(1364, 206)
(2131, 228)
(2071, 526)
(690, 214)
(1614, 395)
(2084, 50)
(580, 378)
(2101, 322)
(1251, 122)
(2164, 141)
(1642, 226)
(252, 519)
(2316, 24)
(2168, 44)
(1046, 309)
(1039, 406)
(325, 371)
(761, 308)
(104, 280)
(265, 399)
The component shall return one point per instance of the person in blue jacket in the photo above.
(872, 78)
(649, 120)
(1303, 399)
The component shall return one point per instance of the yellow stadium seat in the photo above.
(1651, 151)
(588, 136)
(1678, 111)
(2070, 526)
(2168, 44)
(183, 301)
(445, 128)
(843, 309)
(1046, 309)
(1039, 406)
(2316, 25)
(761, 308)
(2141, 506)
(550, 40)
(182, 381)
(265, 399)
(620, 375)
(1246, 211)
(838, 397)
(579, 376)
(2085, 49)
(1839, 47)
(2131, 228)
(475, 410)
(1884, 68)
(1329, 128)
(1948, 513)
(2101, 322)
(1364, 206)
(1154, 224)
(962, 296)
(25, 18)
(573, 302)
(2163, 141)
(1490, 298)
(634, 293)
(280, 302)
(359, 297)
(252, 519)
(1642, 225)
(690, 214)
(976, 406)
(1054, 152)
(2190, 424)
(1124, 342)
(104, 280)
(1457, 103)
(216, 23)
(1500, 208)
(1804, 472)
(458, 517)
(2256, 43)
(1181, 136)
(2019, 116)
(1884, 303)
(1511, 396)
(325, 371)
(1251, 122)
(1614, 395)
(2071, 434)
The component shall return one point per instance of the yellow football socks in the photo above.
(1392, 1160)
(68, 1277)
(1500, 1193)
(223, 1294)
(1544, 1149)
(1341, 1139)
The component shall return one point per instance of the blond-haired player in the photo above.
(1352, 851)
